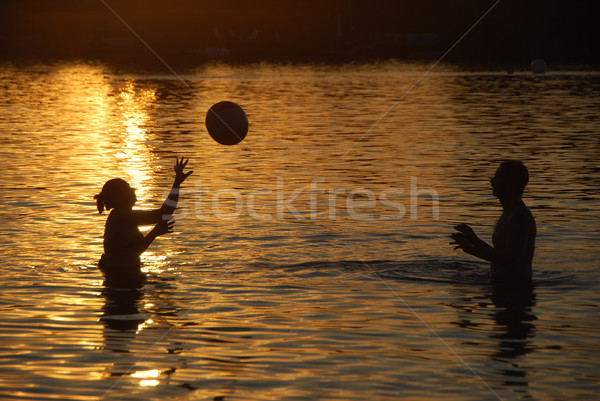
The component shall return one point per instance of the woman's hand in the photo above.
(164, 227)
(180, 176)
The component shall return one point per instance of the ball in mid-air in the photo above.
(227, 123)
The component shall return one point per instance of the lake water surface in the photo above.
(310, 261)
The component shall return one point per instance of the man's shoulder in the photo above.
(521, 212)
(521, 216)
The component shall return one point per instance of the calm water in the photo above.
(312, 260)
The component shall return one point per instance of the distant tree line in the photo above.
(192, 31)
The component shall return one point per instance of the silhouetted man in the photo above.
(514, 236)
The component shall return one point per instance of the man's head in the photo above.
(510, 179)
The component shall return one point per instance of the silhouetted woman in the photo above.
(123, 241)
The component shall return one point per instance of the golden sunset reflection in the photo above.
(143, 325)
(134, 155)
(80, 96)
(148, 377)
(144, 374)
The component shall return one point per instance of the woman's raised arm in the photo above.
(144, 217)
(170, 204)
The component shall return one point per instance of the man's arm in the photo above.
(468, 241)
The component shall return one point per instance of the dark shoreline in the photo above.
(191, 66)
(188, 32)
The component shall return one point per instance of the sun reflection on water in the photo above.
(146, 373)
(147, 376)
(135, 154)
(143, 325)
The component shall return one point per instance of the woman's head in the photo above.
(510, 178)
(116, 193)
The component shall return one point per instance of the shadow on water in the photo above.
(121, 316)
(499, 323)
(126, 312)
(515, 319)
(135, 321)
(121, 309)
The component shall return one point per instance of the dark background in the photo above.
(191, 32)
